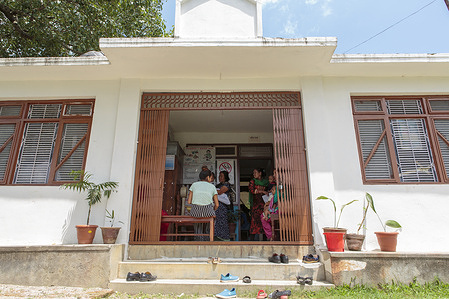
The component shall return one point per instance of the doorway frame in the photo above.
(173, 101)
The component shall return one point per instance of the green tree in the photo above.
(53, 28)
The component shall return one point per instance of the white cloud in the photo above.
(290, 28)
(311, 2)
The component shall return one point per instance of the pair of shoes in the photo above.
(214, 260)
(228, 278)
(261, 295)
(279, 294)
(304, 280)
(227, 294)
(246, 279)
(147, 276)
(277, 259)
(310, 258)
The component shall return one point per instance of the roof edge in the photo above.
(379, 58)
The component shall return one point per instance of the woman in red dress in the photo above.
(256, 189)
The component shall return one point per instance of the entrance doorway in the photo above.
(170, 131)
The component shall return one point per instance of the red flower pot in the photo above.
(335, 241)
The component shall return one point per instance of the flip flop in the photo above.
(301, 280)
(246, 279)
(308, 280)
(261, 294)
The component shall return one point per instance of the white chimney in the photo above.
(218, 19)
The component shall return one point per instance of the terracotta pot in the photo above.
(387, 241)
(232, 227)
(354, 241)
(335, 241)
(110, 234)
(86, 233)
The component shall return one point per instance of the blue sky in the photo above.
(354, 21)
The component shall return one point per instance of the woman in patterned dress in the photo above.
(221, 214)
(256, 189)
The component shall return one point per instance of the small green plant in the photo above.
(389, 223)
(336, 222)
(233, 216)
(111, 217)
(95, 192)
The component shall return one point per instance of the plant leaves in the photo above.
(370, 201)
(393, 224)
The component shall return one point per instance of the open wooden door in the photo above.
(290, 159)
(149, 178)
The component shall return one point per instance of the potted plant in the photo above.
(95, 193)
(355, 241)
(233, 218)
(387, 240)
(110, 233)
(335, 235)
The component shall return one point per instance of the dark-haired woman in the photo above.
(256, 189)
(221, 214)
(204, 201)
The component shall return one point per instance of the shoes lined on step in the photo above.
(304, 280)
(275, 258)
(310, 258)
(246, 279)
(284, 258)
(261, 295)
(214, 260)
(227, 294)
(133, 276)
(228, 278)
(280, 294)
(147, 276)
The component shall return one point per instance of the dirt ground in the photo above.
(8, 291)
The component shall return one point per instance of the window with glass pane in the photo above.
(406, 143)
(51, 144)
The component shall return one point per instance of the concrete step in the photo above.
(202, 287)
(226, 250)
(199, 268)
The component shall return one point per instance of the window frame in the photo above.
(428, 115)
(21, 120)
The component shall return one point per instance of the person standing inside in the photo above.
(221, 221)
(204, 200)
(256, 190)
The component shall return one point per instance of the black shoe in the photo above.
(277, 294)
(133, 276)
(147, 277)
(275, 259)
(284, 258)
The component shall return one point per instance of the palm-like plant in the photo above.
(95, 192)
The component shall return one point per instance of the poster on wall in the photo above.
(229, 166)
(195, 158)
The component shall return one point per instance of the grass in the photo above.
(434, 289)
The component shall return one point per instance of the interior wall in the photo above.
(214, 138)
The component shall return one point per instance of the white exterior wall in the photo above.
(218, 19)
(332, 154)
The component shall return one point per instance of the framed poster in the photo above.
(195, 158)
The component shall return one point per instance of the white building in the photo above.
(361, 123)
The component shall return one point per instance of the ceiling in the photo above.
(221, 121)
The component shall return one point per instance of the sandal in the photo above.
(301, 280)
(261, 294)
(214, 260)
(246, 279)
(308, 280)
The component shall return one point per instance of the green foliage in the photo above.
(389, 223)
(336, 222)
(95, 192)
(56, 28)
(111, 217)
